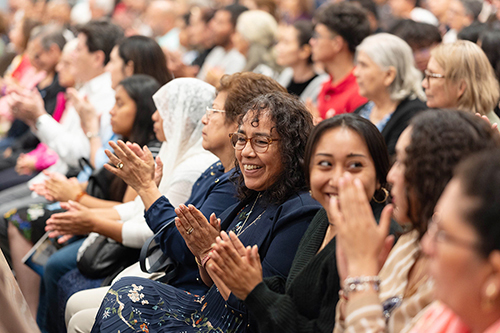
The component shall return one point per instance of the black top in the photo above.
(399, 120)
(306, 303)
(298, 88)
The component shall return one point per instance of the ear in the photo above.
(339, 44)
(129, 68)
(390, 76)
(99, 57)
(461, 88)
(305, 52)
(491, 288)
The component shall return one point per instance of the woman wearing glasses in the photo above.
(387, 77)
(213, 192)
(463, 247)
(273, 213)
(386, 296)
(460, 76)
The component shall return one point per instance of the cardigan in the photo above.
(400, 118)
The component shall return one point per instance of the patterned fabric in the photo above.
(366, 111)
(366, 313)
(31, 220)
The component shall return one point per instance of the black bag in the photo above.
(153, 260)
(105, 258)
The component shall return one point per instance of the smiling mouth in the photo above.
(251, 167)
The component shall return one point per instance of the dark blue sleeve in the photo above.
(292, 221)
(220, 197)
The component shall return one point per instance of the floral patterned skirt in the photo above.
(139, 305)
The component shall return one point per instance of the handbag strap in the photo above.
(152, 250)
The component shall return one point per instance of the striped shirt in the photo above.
(365, 314)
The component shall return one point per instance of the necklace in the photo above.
(239, 229)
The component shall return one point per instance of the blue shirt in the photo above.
(213, 192)
(366, 111)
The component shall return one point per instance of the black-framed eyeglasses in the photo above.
(438, 235)
(210, 111)
(260, 144)
(428, 75)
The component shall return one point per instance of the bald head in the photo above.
(161, 16)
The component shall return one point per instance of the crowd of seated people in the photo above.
(250, 166)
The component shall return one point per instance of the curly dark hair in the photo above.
(346, 19)
(439, 140)
(479, 178)
(364, 128)
(293, 123)
(241, 88)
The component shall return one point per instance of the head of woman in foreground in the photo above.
(460, 76)
(463, 242)
(426, 154)
(346, 143)
(269, 146)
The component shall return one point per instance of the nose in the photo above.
(425, 83)
(355, 71)
(248, 150)
(428, 245)
(113, 110)
(204, 119)
(154, 117)
(335, 175)
(390, 175)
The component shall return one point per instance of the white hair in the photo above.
(387, 51)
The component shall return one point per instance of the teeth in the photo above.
(333, 195)
(251, 167)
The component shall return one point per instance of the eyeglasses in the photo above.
(441, 236)
(428, 75)
(260, 144)
(316, 35)
(211, 111)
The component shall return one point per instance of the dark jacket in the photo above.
(399, 120)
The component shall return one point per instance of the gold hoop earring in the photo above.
(386, 195)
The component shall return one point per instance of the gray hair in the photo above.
(387, 51)
(49, 34)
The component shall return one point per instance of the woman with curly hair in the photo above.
(273, 212)
(387, 298)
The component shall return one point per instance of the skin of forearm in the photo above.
(91, 202)
(109, 228)
(149, 194)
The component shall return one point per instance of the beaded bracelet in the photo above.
(80, 195)
(203, 261)
(360, 283)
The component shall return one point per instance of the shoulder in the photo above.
(299, 204)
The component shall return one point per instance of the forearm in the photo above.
(107, 213)
(149, 194)
(91, 202)
(109, 228)
(95, 145)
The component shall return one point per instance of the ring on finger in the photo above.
(190, 231)
(120, 165)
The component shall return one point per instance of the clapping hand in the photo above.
(198, 233)
(238, 267)
(363, 245)
(78, 220)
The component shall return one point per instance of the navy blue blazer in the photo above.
(213, 192)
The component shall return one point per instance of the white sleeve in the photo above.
(129, 209)
(66, 139)
(135, 231)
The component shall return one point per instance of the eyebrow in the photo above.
(331, 155)
(255, 134)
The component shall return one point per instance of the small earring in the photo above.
(386, 195)
(491, 295)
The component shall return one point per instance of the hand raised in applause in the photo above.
(198, 233)
(138, 166)
(238, 267)
(364, 244)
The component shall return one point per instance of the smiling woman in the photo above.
(274, 212)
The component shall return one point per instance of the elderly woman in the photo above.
(463, 246)
(273, 213)
(387, 77)
(387, 299)
(255, 35)
(460, 76)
